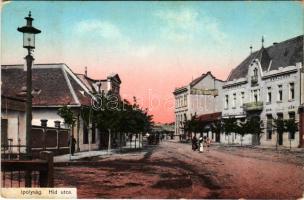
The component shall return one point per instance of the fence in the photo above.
(51, 139)
(28, 173)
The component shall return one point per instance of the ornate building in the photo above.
(200, 97)
(267, 85)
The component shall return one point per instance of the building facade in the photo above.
(12, 121)
(55, 86)
(201, 96)
(267, 85)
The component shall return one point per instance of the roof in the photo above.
(88, 82)
(210, 117)
(283, 54)
(12, 103)
(194, 82)
(56, 84)
(114, 76)
(198, 79)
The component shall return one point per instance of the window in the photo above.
(280, 115)
(269, 127)
(226, 101)
(185, 100)
(4, 125)
(255, 72)
(280, 93)
(269, 95)
(292, 115)
(242, 98)
(255, 96)
(93, 133)
(291, 91)
(85, 134)
(234, 100)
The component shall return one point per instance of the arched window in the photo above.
(255, 72)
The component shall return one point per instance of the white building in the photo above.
(55, 86)
(201, 96)
(266, 84)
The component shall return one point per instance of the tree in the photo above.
(280, 128)
(230, 126)
(291, 126)
(242, 130)
(217, 127)
(255, 127)
(192, 125)
(123, 117)
(68, 116)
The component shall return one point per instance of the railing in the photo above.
(253, 106)
(13, 152)
(28, 173)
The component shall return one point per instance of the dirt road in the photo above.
(173, 170)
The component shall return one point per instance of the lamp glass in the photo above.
(29, 40)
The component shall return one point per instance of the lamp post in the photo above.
(29, 43)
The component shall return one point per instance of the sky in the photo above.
(155, 47)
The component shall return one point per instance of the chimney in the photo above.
(85, 71)
(43, 122)
(250, 49)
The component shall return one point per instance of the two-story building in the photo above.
(200, 97)
(267, 85)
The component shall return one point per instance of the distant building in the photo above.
(200, 97)
(267, 85)
(99, 86)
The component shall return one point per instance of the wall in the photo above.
(15, 131)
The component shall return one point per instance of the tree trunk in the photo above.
(130, 138)
(277, 140)
(135, 139)
(109, 143)
(120, 142)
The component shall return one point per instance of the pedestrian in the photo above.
(194, 143)
(201, 144)
(71, 143)
(208, 142)
(205, 142)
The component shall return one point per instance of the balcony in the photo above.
(254, 80)
(253, 106)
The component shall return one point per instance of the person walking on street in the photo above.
(201, 146)
(71, 143)
(205, 143)
(194, 143)
(208, 143)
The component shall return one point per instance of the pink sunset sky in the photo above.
(153, 46)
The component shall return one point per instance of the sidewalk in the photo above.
(261, 147)
(83, 154)
(93, 153)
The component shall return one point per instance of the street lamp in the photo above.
(29, 43)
